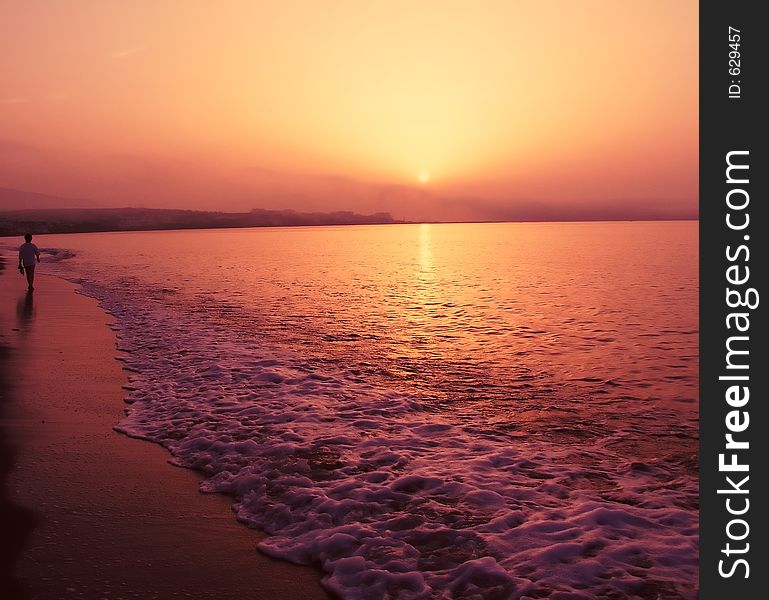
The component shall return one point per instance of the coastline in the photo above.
(112, 519)
(16, 522)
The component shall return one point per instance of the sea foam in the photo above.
(392, 497)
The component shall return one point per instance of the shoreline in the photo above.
(695, 219)
(112, 518)
(16, 522)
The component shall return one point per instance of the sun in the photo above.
(423, 176)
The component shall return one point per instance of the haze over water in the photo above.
(469, 410)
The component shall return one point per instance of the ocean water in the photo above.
(426, 411)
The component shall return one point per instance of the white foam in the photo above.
(391, 497)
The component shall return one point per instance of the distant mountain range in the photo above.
(43, 213)
(11, 199)
(22, 212)
(83, 220)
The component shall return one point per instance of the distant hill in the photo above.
(68, 220)
(11, 199)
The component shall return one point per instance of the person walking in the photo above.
(28, 256)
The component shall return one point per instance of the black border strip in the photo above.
(733, 124)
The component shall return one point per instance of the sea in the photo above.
(490, 411)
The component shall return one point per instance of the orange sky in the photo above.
(430, 109)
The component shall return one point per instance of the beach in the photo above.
(91, 513)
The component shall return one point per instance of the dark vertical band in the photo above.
(733, 275)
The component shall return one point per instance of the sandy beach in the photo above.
(90, 513)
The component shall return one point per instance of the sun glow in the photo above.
(314, 106)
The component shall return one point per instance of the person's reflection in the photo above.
(25, 310)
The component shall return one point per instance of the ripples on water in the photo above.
(490, 411)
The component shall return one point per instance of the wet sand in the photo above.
(89, 513)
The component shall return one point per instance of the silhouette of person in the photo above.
(28, 255)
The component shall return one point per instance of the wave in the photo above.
(53, 255)
(57, 254)
(394, 499)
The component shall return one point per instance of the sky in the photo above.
(438, 110)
